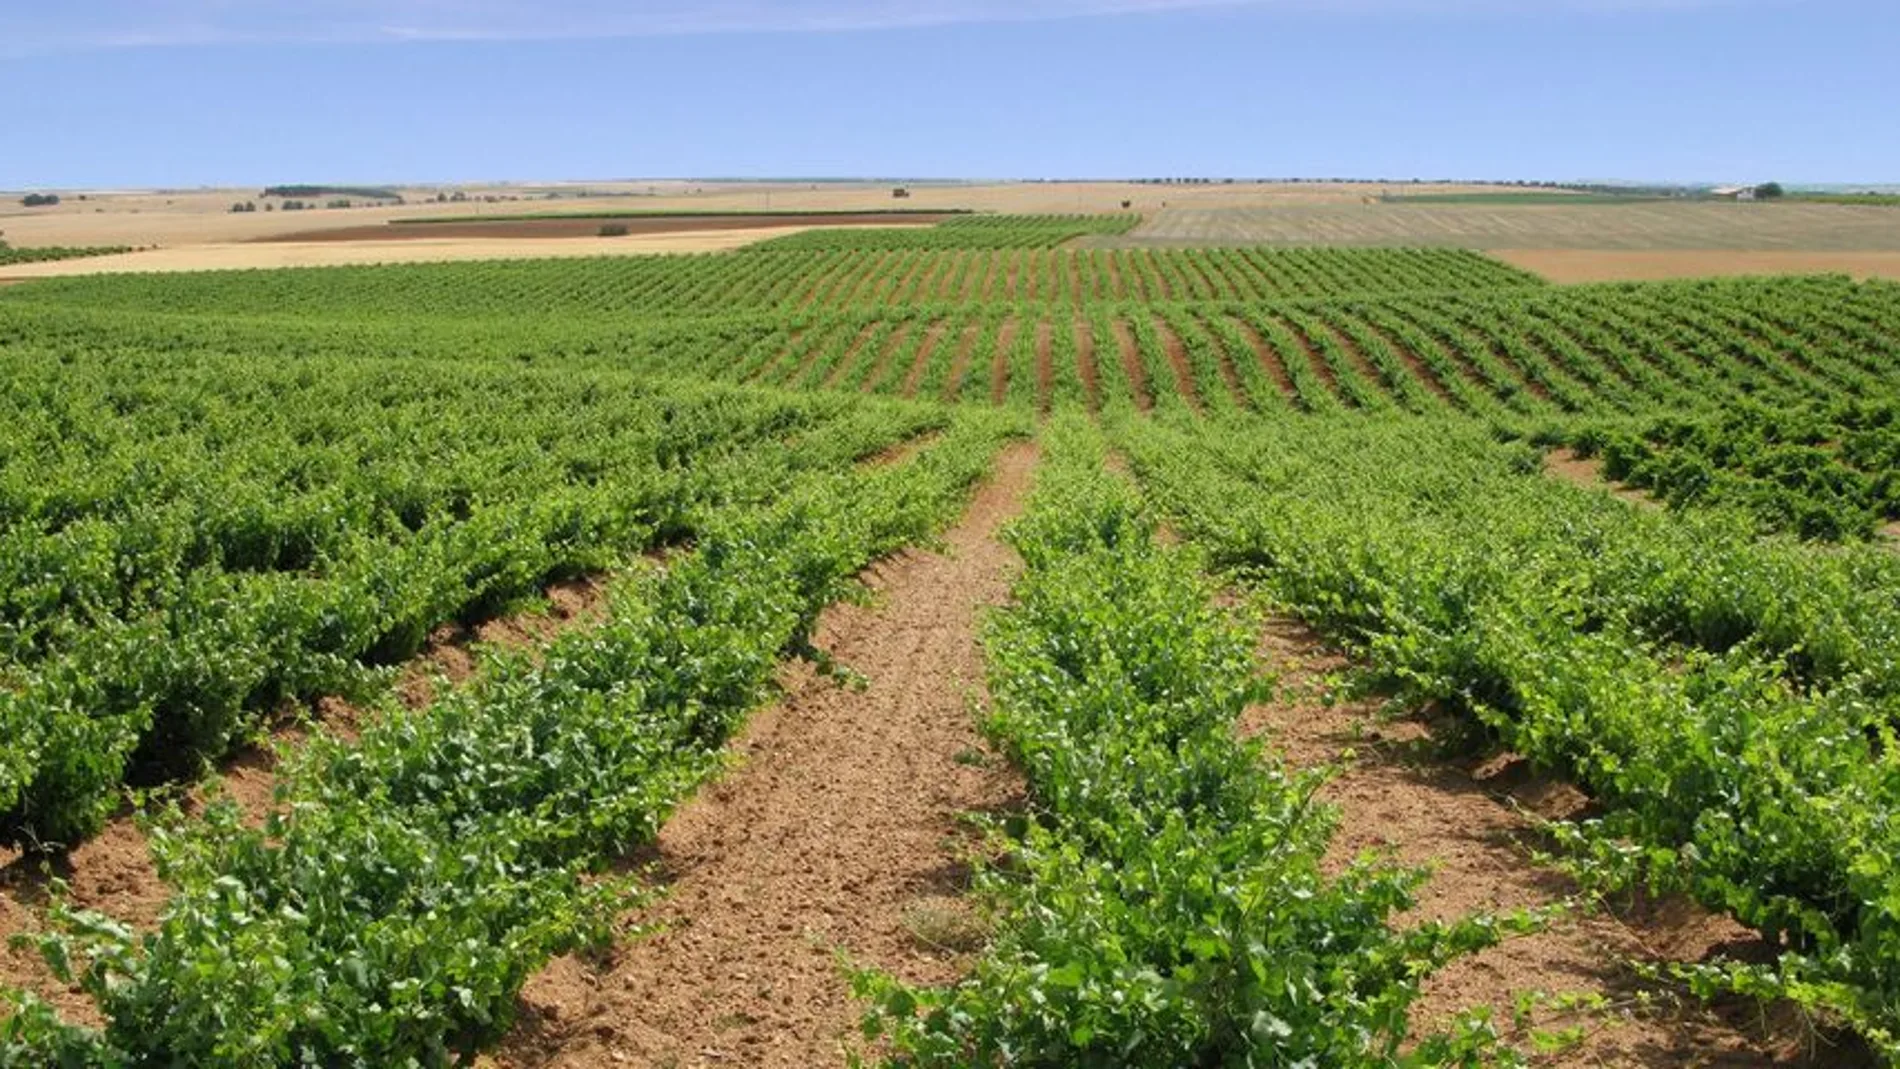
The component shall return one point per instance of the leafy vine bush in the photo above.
(192, 542)
(408, 882)
(1163, 902)
(1730, 702)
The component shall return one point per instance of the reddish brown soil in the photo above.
(837, 833)
(1045, 366)
(1471, 823)
(1176, 351)
(885, 356)
(1587, 472)
(1357, 360)
(1000, 361)
(953, 383)
(1131, 364)
(766, 370)
(1224, 361)
(1270, 362)
(1316, 360)
(1418, 367)
(113, 872)
(854, 354)
(928, 349)
(588, 228)
(1085, 363)
(1113, 262)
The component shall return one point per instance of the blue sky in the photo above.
(241, 92)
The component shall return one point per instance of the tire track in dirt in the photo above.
(113, 872)
(1467, 822)
(833, 833)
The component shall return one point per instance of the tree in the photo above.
(1768, 191)
(40, 200)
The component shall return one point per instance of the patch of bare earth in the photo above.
(838, 831)
(113, 872)
(1619, 265)
(1131, 364)
(1176, 352)
(953, 383)
(1587, 472)
(1000, 370)
(1472, 823)
(932, 338)
(1270, 362)
(1085, 363)
(1045, 366)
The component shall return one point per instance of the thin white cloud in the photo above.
(86, 24)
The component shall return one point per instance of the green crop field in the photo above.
(229, 497)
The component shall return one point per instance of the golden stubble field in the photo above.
(195, 230)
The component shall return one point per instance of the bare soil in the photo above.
(1000, 370)
(932, 338)
(837, 832)
(588, 228)
(1131, 364)
(892, 346)
(1176, 351)
(1472, 823)
(1620, 265)
(953, 383)
(1587, 472)
(273, 254)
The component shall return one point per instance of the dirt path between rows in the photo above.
(1470, 822)
(837, 831)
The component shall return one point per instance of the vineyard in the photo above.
(236, 501)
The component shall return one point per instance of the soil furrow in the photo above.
(1000, 370)
(924, 352)
(1085, 363)
(1131, 364)
(1269, 362)
(836, 832)
(1176, 352)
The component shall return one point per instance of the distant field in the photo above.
(1647, 225)
(1643, 265)
(1527, 196)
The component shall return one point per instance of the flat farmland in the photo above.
(1646, 265)
(487, 620)
(1699, 225)
(247, 255)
